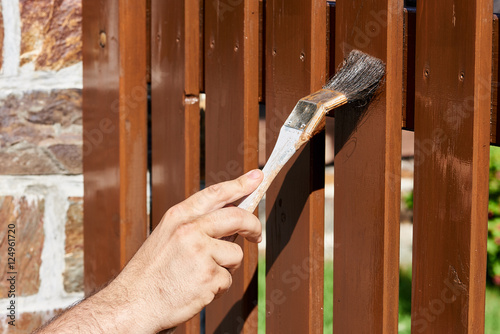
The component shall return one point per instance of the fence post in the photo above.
(368, 176)
(295, 67)
(231, 137)
(114, 126)
(175, 109)
(452, 114)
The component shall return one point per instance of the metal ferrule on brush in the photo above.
(308, 115)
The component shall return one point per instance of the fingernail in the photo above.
(253, 174)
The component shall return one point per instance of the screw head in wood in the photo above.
(102, 39)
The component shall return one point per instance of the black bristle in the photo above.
(359, 77)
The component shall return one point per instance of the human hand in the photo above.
(184, 265)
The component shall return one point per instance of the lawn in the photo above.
(492, 322)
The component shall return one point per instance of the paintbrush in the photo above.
(356, 81)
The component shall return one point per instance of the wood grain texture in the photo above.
(367, 175)
(452, 112)
(295, 67)
(175, 113)
(409, 76)
(115, 149)
(231, 138)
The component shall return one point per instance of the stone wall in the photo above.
(41, 182)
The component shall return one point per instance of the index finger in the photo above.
(219, 195)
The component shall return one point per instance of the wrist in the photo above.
(147, 302)
(124, 311)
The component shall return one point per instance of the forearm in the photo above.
(108, 311)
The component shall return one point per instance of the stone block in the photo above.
(73, 258)
(41, 132)
(51, 33)
(27, 216)
(70, 156)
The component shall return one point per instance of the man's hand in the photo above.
(183, 265)
(180, 268)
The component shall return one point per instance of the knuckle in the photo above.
(205, 274)
(207, 297)
(257, 226)
(236, 213)
(241, 183)
(214, 189)
(175, 211)
(186, 228)
(189, 238)
(224, 282)
(238, 253)
(229, 281)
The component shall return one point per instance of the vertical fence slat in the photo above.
(114, 121)
(175, 110)
(231, 137)
(295, 67)
(453, 96)
(367, 176)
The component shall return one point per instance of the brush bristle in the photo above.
(359, 77)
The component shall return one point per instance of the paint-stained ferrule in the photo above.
(309, 113)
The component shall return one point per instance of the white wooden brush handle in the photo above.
(287, 144)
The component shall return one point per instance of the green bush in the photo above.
(493, 244)
(494, 218)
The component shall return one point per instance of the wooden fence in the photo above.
(441, 62)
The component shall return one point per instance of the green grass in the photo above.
(492, 323)
(262, 294)
(328, 298)
(492, 314)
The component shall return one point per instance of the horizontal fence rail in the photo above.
(248, 56)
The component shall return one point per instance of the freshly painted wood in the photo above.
(115, 148)
(452, 114)
(231, 138)
(367, 175)
(175, 110)
(295, 46)
(409, 75)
